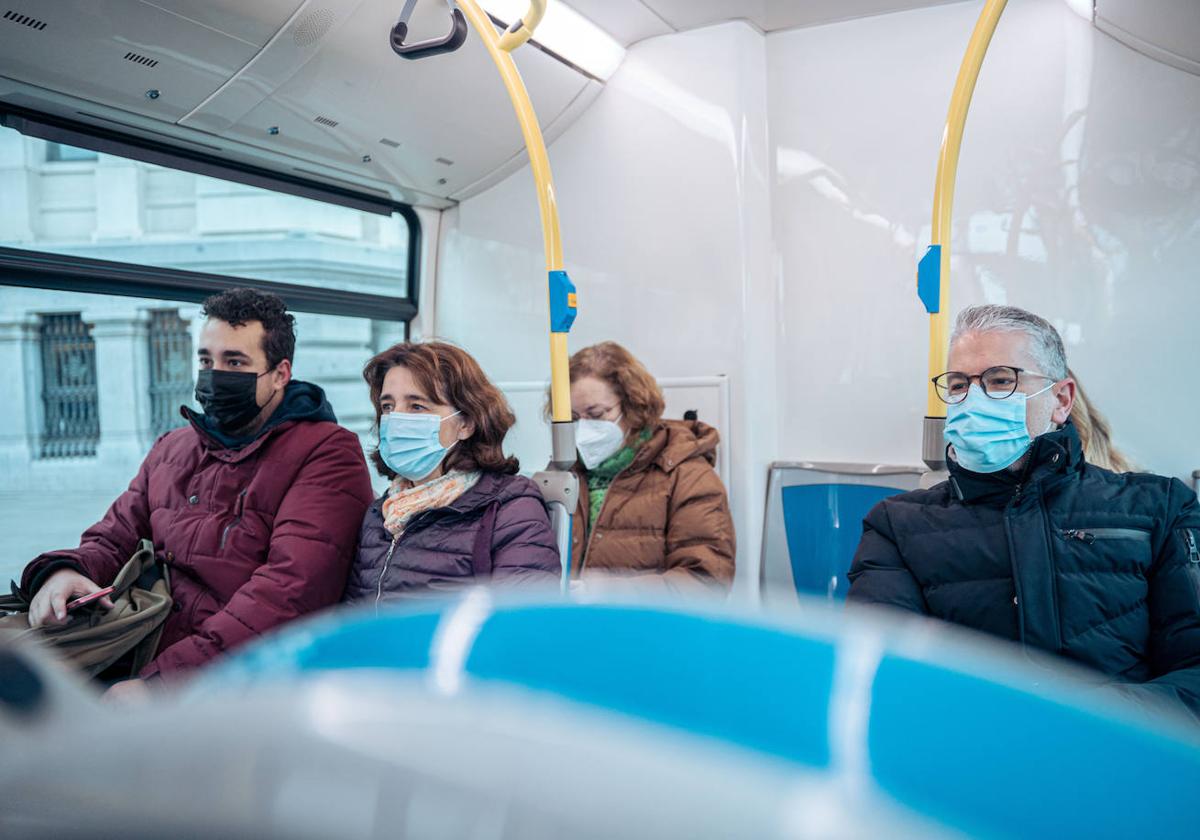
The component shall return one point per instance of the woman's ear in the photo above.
(466, 429)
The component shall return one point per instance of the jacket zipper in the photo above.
(1193, 552)
(239, 509)
(599, 514)
(383, 573)
(1090, 535)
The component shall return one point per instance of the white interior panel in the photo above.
(629, 21)
(1167, 30)
(772, 15)
(254, 22)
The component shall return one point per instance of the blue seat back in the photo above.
(813, 523)
(824, 524)
(972, 736)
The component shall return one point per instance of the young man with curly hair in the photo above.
(253, 506)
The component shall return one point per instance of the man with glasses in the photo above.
(1026, 540)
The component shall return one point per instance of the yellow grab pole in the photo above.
(498, 47)
(943, 193)
(943, 206)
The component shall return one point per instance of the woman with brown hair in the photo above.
(1095, 434)
(455, 513)
(651, 505)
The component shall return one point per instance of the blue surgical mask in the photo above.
(989, 435)
(410, 443)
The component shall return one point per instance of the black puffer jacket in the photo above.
(1066, 557)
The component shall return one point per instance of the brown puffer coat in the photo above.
(665, 519)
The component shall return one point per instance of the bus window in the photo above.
(93, 379)
(111, 208)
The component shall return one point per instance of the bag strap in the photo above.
(16, 602)
(481, 554)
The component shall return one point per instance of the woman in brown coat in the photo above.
(651, 508)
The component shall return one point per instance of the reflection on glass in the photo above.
(111, 208)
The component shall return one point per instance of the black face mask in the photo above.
(229, 397)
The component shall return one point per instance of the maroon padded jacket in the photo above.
(252, 536)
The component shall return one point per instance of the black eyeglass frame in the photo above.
(939, 387)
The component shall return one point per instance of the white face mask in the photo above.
(597, 440)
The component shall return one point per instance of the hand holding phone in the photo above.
(84, 600)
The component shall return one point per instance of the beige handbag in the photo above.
(93, 639)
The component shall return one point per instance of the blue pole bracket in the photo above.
(562, 302)
(929, 279)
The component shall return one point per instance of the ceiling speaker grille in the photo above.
(326, 121)
(141, 59)
(25, 20)
(313, 27)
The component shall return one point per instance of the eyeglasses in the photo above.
(595, 412)
(999, 382)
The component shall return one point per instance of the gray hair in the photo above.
(1045, 343)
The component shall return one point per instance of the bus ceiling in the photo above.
(310, 90)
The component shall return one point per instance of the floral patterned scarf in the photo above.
(405, 500)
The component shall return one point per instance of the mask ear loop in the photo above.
(1051, 426)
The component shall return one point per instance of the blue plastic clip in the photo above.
(929, 279)
(562, 302)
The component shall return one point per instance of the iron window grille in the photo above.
(171, 363)
(70, 400)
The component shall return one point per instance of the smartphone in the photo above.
(84, 600)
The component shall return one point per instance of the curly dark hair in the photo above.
(450, 376)
(239, 306)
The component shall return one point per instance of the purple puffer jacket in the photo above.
(434, 553)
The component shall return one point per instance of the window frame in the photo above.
(59, 272)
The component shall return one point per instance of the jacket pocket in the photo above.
(239, 508)
(1091, 535)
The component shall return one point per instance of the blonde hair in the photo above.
(1095, 434)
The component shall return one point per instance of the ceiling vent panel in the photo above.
(144, 61)
(190, 61)
(24, 20)
(299, 40)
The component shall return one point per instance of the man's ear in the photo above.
(283, 373)
(1064, 395)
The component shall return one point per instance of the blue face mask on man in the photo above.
(989, 435)
(410, 444)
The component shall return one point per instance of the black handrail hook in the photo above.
(434, 46)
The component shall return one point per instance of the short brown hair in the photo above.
(642, 401)
(450, 376)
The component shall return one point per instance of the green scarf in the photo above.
(599, 479)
